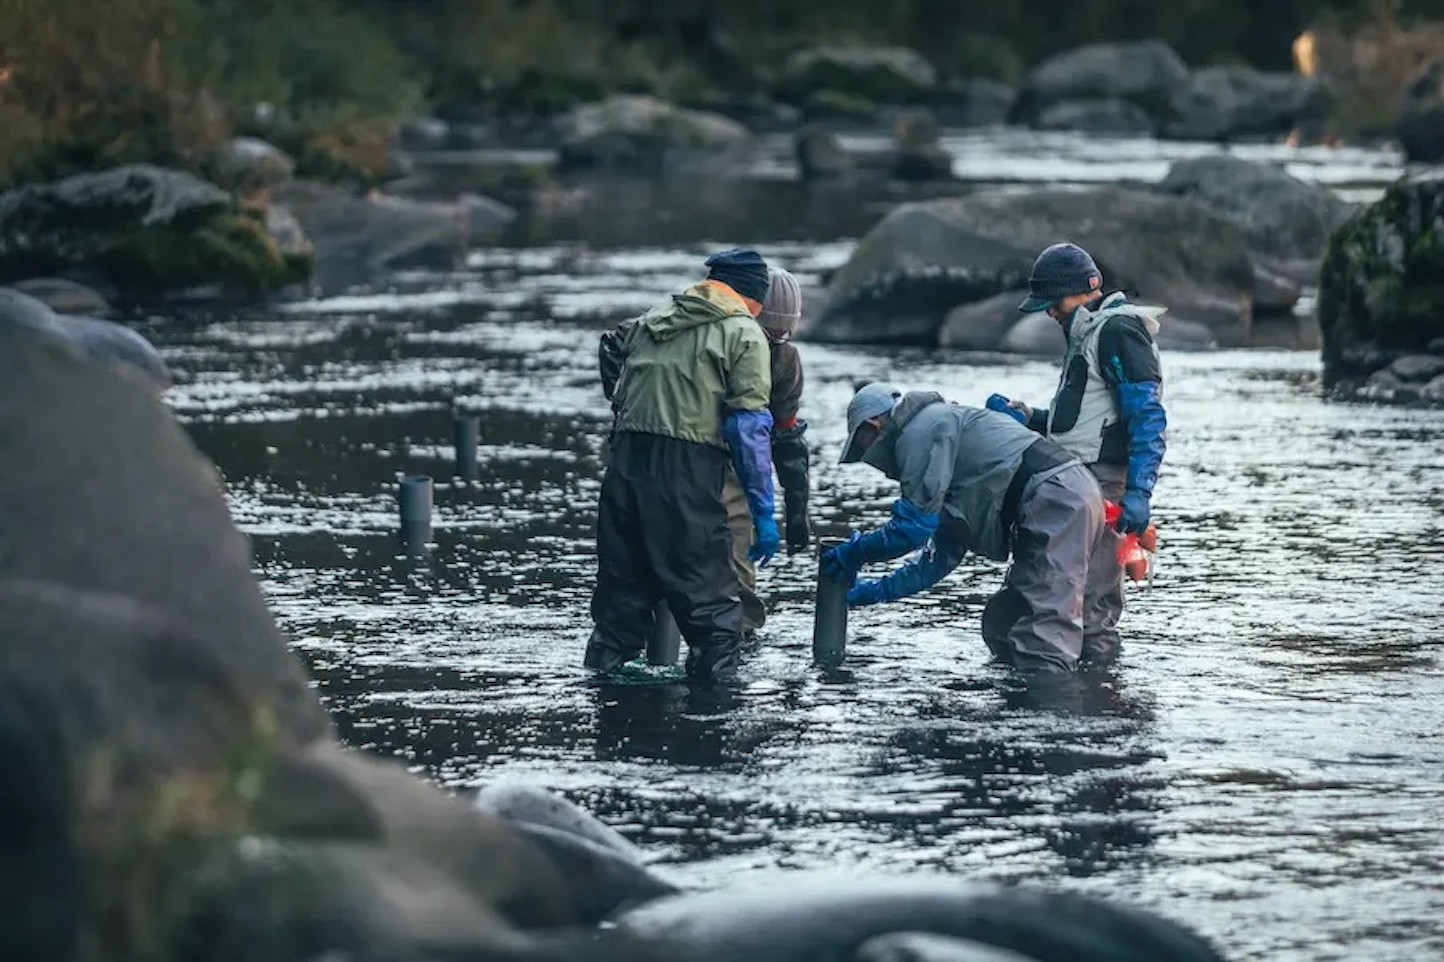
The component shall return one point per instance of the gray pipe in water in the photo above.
(829, 624)
(664, 647)
(466, 433)
(414, 501)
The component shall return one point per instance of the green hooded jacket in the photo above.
(691, 362)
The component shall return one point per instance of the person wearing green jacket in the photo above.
(692, 398)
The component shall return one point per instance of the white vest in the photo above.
(1094, 402)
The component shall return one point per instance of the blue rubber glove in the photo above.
(749, 439)
(866, 593)
(1141, 405)
(1133, 519)
(996, 402)
(765, 541)
(908, 529)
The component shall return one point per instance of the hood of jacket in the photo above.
(1083, 321)
(883, 454)
(698, 305)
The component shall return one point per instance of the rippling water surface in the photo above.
(1264, 764)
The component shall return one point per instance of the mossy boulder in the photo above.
(147, 231)
(644, 134)
(884, 75)
(1381, 287)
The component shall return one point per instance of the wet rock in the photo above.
(1285, 218)
(1414, 368)
(1036, 334)
(820, 155)
(358, 238)
(924, 259)
(880, 75)
(143, 229)
(917, 150)
(486, 219)
(1109, 115)
(1381, 286)
(107, 341)
(1227, 102)
(285, 229)
(1273, 291)
(1147, 73)
(248, 166)
(64, 296)
(1420, 126)
(981, 325)
(1434, 390)
(919, 947)
(647, 135)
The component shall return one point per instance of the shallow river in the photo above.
(1264, 764)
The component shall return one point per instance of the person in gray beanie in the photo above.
(690, 397)
(1107, 410)
(977, 480)
(780, 313)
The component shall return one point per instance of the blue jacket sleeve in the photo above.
(1141, 405)
(749, 436)
(931, 565)
(908, 529)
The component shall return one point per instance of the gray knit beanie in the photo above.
(783, 306)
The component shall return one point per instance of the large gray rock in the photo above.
(981, 325)
(983, 103)
(249, 165)
(356, 239)
(874, 74)
(1420, 126)
(1286, 219)
(1226, 102)
(64, 296)
(1147, 73)
(164, 728)
(924, 259)
(642, 134)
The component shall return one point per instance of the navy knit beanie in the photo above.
(741, 269)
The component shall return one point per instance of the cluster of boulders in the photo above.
(175, 790)
(141, 234)
(1220, 242)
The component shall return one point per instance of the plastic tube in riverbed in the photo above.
(664, 647)
(413, 501)
(829, 624)
(466, 432)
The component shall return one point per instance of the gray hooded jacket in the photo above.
(957, 462)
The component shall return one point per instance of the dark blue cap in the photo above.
(743, 270)
(1061, 270)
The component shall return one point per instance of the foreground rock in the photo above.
(1288, 221)
(1420, 127)
(145, 232)
(1381, 297)
(925, 259)
(641, 134)
(358, 238)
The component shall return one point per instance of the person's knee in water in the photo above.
(972, 480)
(1107, 409)
(681, 421)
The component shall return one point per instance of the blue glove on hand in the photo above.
(1133, 518)
(841, 562)
(996, 402)
(866, 593)
(765, 541)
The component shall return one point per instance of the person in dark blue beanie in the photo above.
(690, 383)
(743, 270)
(1107, 410)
